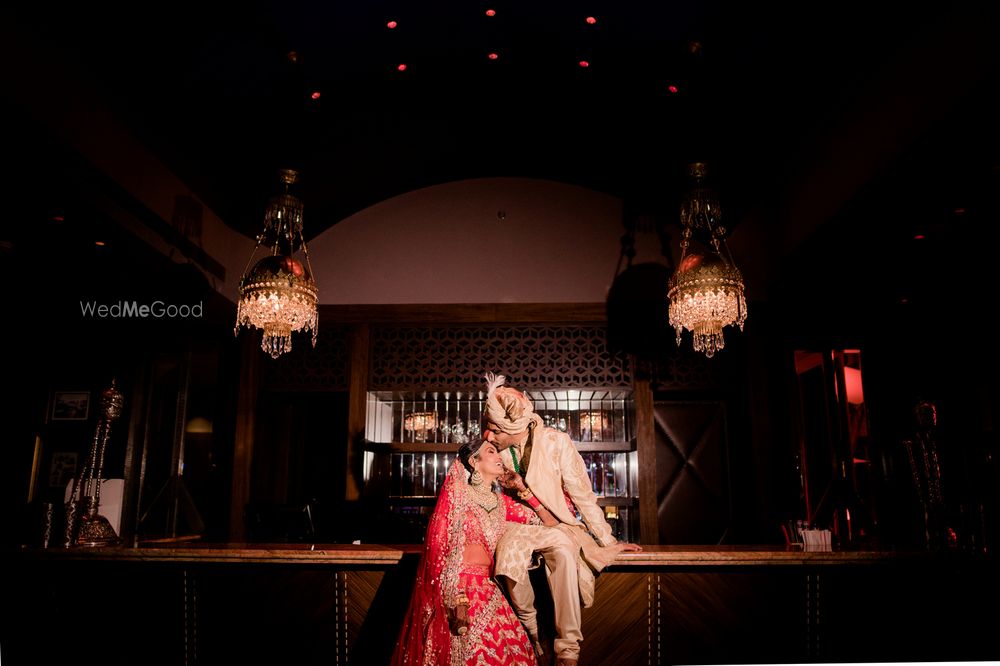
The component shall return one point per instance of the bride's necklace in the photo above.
(483, 496)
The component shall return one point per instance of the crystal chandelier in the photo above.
(278, 295)
(706, 290)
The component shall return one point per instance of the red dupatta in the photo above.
(425, 639)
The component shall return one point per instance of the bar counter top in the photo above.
(277, 603)
(383, 555)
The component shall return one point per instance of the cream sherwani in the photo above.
(573, 551)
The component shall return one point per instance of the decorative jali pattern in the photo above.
(326, 367)
(686, 371)
(454, 357)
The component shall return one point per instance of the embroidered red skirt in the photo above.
(495, 637)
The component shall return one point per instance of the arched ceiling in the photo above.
(849, 114)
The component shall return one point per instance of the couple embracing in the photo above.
(480, 537)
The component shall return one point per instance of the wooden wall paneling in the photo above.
(621, 628)
(478, 313)
(135, 441)
(732, 616)
(246, 406)
(694, 494)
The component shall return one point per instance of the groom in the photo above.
(573, 551)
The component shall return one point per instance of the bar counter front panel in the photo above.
(343, 604)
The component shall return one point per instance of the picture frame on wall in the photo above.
(70, 405)
(63, 468)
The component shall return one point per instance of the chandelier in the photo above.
(706, 290)
(420, 424)
(278, 295)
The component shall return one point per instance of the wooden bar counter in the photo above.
(199, 603)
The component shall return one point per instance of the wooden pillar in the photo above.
(357, 409)
(246, 410)
(645, 441)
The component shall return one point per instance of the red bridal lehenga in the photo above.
(495, 636)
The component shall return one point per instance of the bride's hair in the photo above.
(469, 450)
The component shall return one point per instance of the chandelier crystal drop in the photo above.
(279, 295)
(706, 290)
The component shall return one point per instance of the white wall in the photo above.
(558, 243)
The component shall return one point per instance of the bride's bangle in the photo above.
(534, 503)
(525, 494)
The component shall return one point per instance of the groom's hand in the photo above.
(458, 618)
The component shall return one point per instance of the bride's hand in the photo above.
(511, 479)
(458, 619)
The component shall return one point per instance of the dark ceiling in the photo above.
(851, 112)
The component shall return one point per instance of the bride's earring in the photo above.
(476, 479)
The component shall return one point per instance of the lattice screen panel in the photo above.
(455, 357)
(325, 368)
(686, 370)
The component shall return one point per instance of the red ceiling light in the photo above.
(391, 25)
(672, 89)
(959, 211)
(584, 63)
(493, 56)
(401, 67)
(918, 237)
(57, 218)
(590, 20)
(315, 95)
(491, 12)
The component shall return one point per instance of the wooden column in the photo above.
(645, 439)
(246, 410)
(357, 409)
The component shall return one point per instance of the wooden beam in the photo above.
(477, 313)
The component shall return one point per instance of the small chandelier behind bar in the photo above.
(278, 295)
(706, 290)
(420, 424)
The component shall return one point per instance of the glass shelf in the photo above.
(412, 437)
(443, 417)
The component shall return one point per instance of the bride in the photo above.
(458, 615)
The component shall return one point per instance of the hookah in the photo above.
(90, 528)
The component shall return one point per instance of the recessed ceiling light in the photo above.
(491, 12)
(492, 56)
(591, 20)
(100, 243)
(401, 67)
(918, 237)
(672, 89)
(293, 56)
(391, 25)
(584, 63)
(314, 95)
